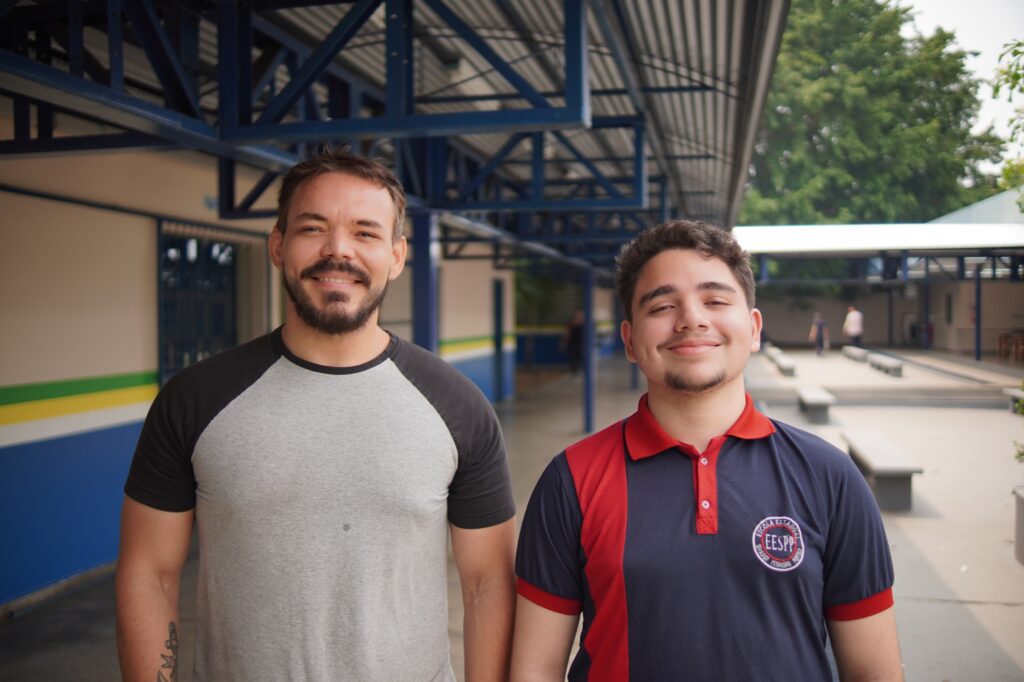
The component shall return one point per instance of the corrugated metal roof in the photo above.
(703, 65)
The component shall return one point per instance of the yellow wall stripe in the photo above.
(55, 407)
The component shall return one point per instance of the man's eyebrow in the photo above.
(369, 222)
(655, 292)
(716, 286)
(309, 215)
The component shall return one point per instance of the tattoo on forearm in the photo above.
(170, 662)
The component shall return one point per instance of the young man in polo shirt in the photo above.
(699, 539)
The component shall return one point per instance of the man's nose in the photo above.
(338, 244)
(690, 315)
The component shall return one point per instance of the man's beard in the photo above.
(681, 383)
(324, 320)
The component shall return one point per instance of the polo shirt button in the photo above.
(705, 505)
(704, 461)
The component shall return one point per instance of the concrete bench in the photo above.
(772, 351)
(814, 402)
(887, 470)
(855, 353)
(890, 366)
(1016, 396)
(784, 363)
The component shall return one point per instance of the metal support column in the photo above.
(426, 252)
(499, 339)
(589, 359)
(977, 312)
(890, 315)
(926, 295)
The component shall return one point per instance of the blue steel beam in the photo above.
(577, 81)
(600, 92)
(399, 58)
(610, 20)
(317, 62)
(589, 356)
(24, 76)
(6, 6)
(162, 56)
(420, 125)
(425, 257)
(265, 67)
(115, 46)
(493, 58)
(83, 144)
(492, 164)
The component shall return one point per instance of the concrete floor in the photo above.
(959, 591)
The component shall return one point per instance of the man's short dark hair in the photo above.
(710, 241)
(328, 159)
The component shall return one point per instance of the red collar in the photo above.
(645, 437)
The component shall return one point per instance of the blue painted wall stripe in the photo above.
(60, 506)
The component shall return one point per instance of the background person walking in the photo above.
(853, 325)
(818, 334)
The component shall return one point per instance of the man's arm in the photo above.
(867, 648)
(484, 559)
(543, 639)
(154, 546)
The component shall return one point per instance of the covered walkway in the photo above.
(959, 590)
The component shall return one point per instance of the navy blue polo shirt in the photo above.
(721, 564)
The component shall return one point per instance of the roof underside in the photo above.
(683, 84)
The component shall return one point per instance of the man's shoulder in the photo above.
(814, 448)
(428, 371)
(600, 441)
(231, 367)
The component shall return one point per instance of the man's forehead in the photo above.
(711, 267)
(323, 191)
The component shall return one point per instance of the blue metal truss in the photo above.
(257, 124)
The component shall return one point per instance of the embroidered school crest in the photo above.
(778, 543)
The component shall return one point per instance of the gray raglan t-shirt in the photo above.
(323, 497)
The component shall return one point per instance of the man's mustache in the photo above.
(327, 265)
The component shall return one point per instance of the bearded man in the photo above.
(324, 466)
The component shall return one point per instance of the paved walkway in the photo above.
(959, 590)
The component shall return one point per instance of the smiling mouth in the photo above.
(690, 346)
(338, 280)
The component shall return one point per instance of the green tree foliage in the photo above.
(1011, 77)
(865, 125)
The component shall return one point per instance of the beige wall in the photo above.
(466, 293)
(94, 282)
(1002, 310)
(77, 292)
(77, 284)
(788, 324)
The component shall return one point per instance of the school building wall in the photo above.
(950, 311)
(79, 344)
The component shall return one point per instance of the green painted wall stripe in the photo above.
(23, 393)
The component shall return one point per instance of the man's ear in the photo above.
(275, 246)
(757, 323)
(399, 251)
(626, 332)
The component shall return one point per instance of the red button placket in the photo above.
(705, 484)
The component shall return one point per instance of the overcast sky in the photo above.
(982, 26)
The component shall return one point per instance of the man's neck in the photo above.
(334, 350)
(696, 418)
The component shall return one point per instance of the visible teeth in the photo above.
(338, 281)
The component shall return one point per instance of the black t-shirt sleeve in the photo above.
(161, 473)
(480, 494)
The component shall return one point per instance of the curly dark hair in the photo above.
(709, 241)
(327, 159)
